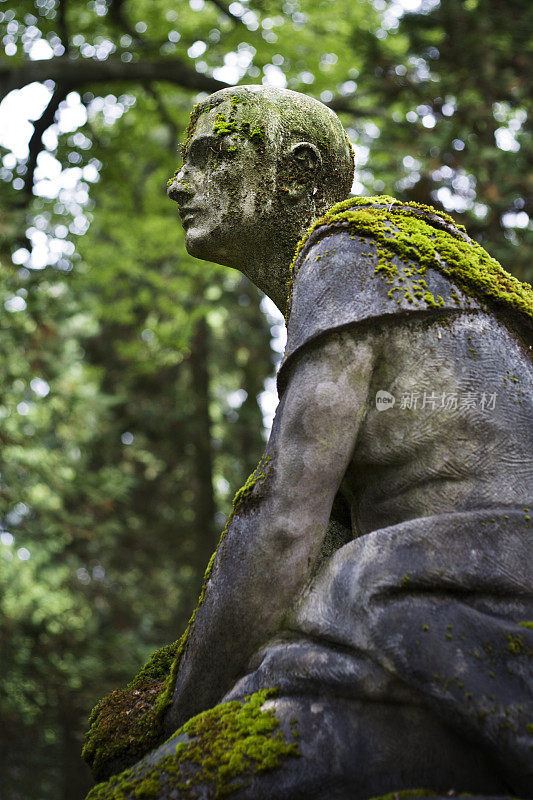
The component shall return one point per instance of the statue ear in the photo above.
(304, 162)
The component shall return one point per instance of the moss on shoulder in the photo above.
(128, 723)
(414, 233)
(221, 748)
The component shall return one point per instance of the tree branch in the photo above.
(343, 105)
(36, 142)
(73, 73)
(165, 116)
(116, 13)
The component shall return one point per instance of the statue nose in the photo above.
(175, 191)
(180, 188)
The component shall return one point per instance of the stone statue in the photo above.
(365, 624)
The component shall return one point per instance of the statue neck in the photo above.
(271, 275)
(269, 265)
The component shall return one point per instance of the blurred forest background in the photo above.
(130, 373)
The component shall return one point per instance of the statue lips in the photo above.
(186, 214)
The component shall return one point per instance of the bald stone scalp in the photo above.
(289, 117)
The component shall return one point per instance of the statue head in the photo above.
(259, 165)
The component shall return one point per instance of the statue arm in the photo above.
(274, 537)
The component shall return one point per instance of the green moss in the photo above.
(527, 624)
(257, 135)
(225, 126)
(222, 126)
(193, 119)
(429, 299)
(127, 716)
(224, 746)
(411, 232)
(515, 645)
(129, 722)
(260, 473)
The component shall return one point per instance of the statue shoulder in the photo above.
(379, 259)
(339, 280)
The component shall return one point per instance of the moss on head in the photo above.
(243, 128)
(220, 748)
(278, 118)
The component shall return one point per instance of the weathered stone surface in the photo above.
(366, 622)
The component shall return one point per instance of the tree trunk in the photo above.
(76, 780)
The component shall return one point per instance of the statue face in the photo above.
(224, 191)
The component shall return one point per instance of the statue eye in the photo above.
(228, 145)
(198, 153)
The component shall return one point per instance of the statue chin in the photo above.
(199, 243)
(207, 245)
